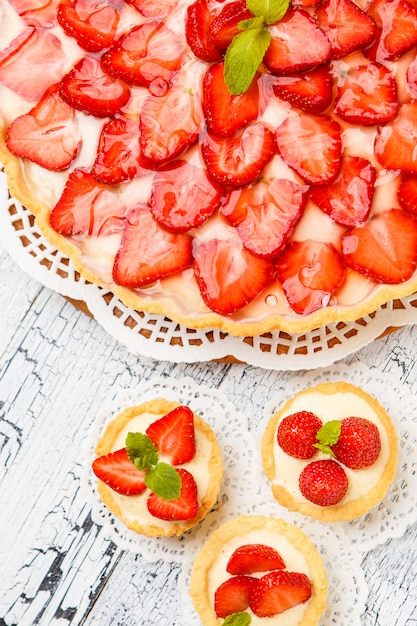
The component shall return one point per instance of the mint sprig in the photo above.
(248, 48)
(237, 619)
(328, 436)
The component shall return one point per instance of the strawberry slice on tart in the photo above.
(396, 33)
(395, 142)
(346, 25)
(309, 91)
(225, 26)
(254, 557)
(185, 507)
(92, 24)
(279, 591)
(43, 14)
(232, 596)
(407, 193)
(157, 9)
(119, 473)
(197, 31)
(174, 435)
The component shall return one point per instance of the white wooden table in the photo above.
(57, 566)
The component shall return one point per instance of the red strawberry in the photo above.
(183, 508)
(224, 27)
(254, 557)
(407, 194)
(395, 145)
(197, 31)
(278, 591)
(48, 134)
(385, 248)
(147, 252)
(157, 9)
(411, 76)
(174, 435)
(347, 27)
(296, 434)
(349, 197)
(359, 443)
(224, 113)
(367, 95)
(265, 214)
(232, 596)
(311, 145)
(309, 91)
(89, 89)
(310, 272)
(229, 277)
(304, 4)
(324, 482)
(92, 24)
(118, 152)
(238, 160)
(297, 44)
(36, 14)
(87, 207)
(396, 22)
(118, 472)
(183, 197)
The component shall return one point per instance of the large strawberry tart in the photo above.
(248, 166)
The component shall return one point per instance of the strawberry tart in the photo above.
(330, 452)
(159, 468)
(258, 570)
(241, 164)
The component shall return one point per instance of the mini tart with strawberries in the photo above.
(330, 452)
(159, 468)
(258, 570)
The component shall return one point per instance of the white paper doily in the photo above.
(151, 335)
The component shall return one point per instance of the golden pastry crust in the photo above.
(114, 501)
(347, 509)
(241, 527)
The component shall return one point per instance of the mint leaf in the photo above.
(327, 436)
(141, 450)
(165, 481)
(243, 57)
(270, 10)
(237, 619)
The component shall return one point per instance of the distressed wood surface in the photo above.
(56, 566)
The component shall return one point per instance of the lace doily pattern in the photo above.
(144, 333)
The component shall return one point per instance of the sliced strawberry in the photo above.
(296, 434)
(395, 145)
(304, 4)
(323, 482)
(265, 214)
(147, 252)
(367, 95)
(183, 508)
(347, 27)
(229, 277)
(197, 31)
(311, 144)
(87, 207)
(385, 248)
(225, 114)
(41, 13)
(118, 152)
(278, 591)
(156, 9)
(224, 27)
(174, 435)
(238, 160)
(310, 272)
(407, 194)
(48, 134)
(183, 197)
(348, 198)
(232, 596)
(359, 443)
(254, 557)
(411, 77)
(89, 89)
(92, 24)
(119, 473)
(147, 54)
(309, 91)
(297, 44)
(396, 22)
(169, 124)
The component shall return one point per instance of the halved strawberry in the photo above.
(41, 13)
(156, 9)
(407, 194)
(183, 508)
(238, 160)
(119, 473)
(265, 214)
(147, 252)
(395, 144)
(92, 24)
(197, 32)
(224, 27)
(297, 44)
(232, 596)
(183, 197)
(323, 482)
(385, 248)
(367, 95)
(278, 591)
(347, 27)
(254, 557)
(308, 91)
(310, 272)
(411, 77)
(224, 113)
(396, 22)
(118, 152)
(48, 134)
(174, 435)
(311, 144)
(348, 198)
(89, 89)
(228, 275)
(87, 207)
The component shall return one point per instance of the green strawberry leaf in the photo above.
(327, 436)
(237, 619)
(165, 481)
(141, 450)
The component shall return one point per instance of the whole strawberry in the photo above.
(297, 434)
(324, 482)
(359, 443)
